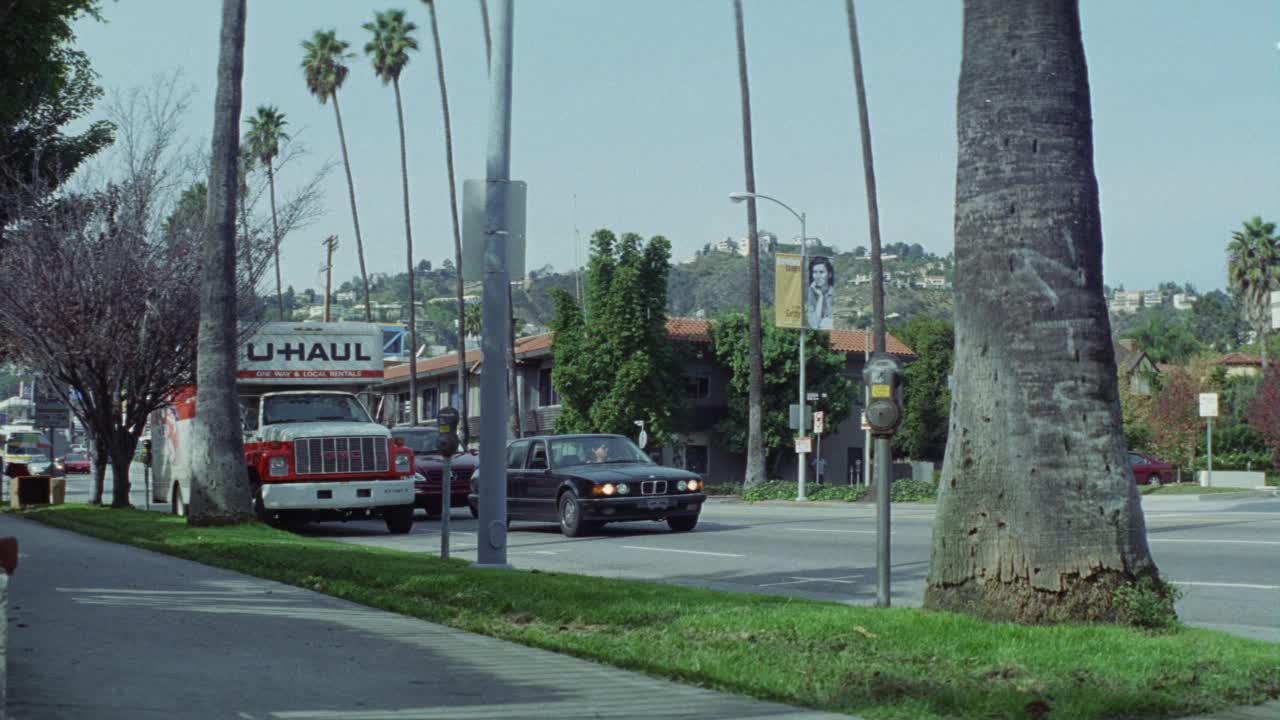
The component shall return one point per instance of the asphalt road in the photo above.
(1221, 550)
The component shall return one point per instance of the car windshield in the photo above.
(419, 441)
(73, 457)
(320, 407)
(593, 450)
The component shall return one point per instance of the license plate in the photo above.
(657, 503)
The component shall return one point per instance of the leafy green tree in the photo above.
(617, 364)
(1252, 257)
(266, 132)
(45, 85)
(389, 51)
(325, 68)
(1216, 320)
(926, 399)
(781, 354)
(1175, 419)
(1163, 334)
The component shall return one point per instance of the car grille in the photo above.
(653, 487)
(331, 455)
(435, 478)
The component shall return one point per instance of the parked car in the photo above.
(585, 481)
(429, 464)
(1149, 471)
(75, 463)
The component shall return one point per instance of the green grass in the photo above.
(878, 663)
(1185, 489)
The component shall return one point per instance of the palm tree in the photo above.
(869, 179)
(453, 209)
(325, 69)
(266, 132)
(389, 50)
(755, 392)
(220, 488)
(1252, 256)
(1038, 518)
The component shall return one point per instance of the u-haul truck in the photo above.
(312, 450)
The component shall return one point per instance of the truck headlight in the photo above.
(279, 466)
(402, 463)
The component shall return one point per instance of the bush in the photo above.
(846, 493)
(772, 490)
(912, 491)
(1261, 461)
(726, 489)
(1145, 604)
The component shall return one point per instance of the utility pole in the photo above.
(330, 243)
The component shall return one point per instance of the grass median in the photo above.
(878, 663)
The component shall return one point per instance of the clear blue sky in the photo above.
(633, 108)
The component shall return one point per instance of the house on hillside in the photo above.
(705, 386)
(1134, 366)
(1240, 364)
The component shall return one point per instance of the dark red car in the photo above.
(429, 464)
(1149, 471)
(75, 463)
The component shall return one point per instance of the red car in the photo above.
(75, 463)
(1149, 471)
(429, 464)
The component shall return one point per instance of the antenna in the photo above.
(577, 263)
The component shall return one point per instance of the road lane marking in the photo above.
(1219, 542)
(847, 532)
(841, 580)
(1227, 585)
(686, 552)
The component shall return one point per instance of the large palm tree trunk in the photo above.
(1038, 519)
(220, 487)
(869, 179)
(755, 393)
(275, 236)
(355, 216)
(408, 248)
(457, 233)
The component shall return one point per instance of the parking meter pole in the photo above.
(146, 483)
(882, 521)
(1208, 439)
(446, 495)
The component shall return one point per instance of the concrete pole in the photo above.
(804, 321)
(491, 536)
(882, 521)
(1208, 436)
(446, 495)
(866, 400)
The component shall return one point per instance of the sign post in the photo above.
(1209, 410)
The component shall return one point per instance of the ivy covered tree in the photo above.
(1264, 413)
(615, 364)
(781, 356)
(926, 399)
(1175, 419)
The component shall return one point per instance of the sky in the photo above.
(626, 116)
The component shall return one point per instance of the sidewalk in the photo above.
(106, 631)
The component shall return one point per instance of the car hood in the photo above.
(298, 431)
(627, 472)
(461, 461)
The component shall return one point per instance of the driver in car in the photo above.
(600, 453)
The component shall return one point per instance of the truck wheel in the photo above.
(399, 519)
(177, 505)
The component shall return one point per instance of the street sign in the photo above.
(1208, 404)
(812, 397)
(819, 421)
(793, 417)
(50, 411)
(1275, 309)
(474, 196)
(804, 444)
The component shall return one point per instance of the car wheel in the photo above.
(571, 523)
(399, 519)
(1154, 480)
(684, 523)
(177, 505)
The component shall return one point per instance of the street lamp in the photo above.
(804, 261)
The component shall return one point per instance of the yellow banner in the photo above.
(788, 285)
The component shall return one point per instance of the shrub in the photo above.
(912, 491)
(1145, 603)
(772, 490)
(726, 489)
(847, 493)
(1259, 461)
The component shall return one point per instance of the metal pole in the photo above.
(491, 536)
(1208, 434)
(446, 497)
(804, 321)
(866, 400)
(882, 521)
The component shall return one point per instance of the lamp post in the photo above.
(804, 261)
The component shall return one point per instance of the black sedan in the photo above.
(585, 481)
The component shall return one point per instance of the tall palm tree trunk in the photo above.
(457, 232)
(512, 390)
(355, 216)
(275, 236)
(408, 249)
(1038, 518)
(220, 486)
(755, 474)
(869, 179)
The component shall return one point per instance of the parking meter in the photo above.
(146, 452)
(447, 444)
(883, 376)
(447, 424)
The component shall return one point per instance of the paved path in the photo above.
(106, 631)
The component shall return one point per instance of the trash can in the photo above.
(29, 490)
(57, 490)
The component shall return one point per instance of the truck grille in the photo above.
(325, 456)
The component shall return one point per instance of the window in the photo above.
(696, 387)
(547, 394)
(515, 455)
(453, 396)
(430, 402)
(538, 456)
(695, 459)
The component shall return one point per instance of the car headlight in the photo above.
(608, 489)
(623, 489)
(279, 465)
(682, 486)
(694, 485)
(402, 463)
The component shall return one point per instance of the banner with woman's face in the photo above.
(809, 285)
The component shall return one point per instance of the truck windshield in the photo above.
(321, 407)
